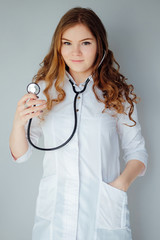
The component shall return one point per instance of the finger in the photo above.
(35, 102)
(32, 110)
(29, 103)
(31, 115)
(26, 97)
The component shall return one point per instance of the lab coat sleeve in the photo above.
(35, 133)
(132, 141)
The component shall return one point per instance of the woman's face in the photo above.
(79, 48)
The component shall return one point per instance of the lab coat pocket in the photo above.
(112, 208)
(46, 197)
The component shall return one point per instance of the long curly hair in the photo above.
(106, 77)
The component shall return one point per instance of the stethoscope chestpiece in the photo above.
(33, 88)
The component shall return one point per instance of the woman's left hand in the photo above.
(132, 170)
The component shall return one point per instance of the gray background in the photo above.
(134, 37)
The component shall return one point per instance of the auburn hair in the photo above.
(106, 77)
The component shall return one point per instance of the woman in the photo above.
(82, 194)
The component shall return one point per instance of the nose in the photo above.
(76, 50)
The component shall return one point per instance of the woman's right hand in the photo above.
(26, 109)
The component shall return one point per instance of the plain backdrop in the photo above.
(26, 29)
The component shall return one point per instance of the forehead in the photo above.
(79, 31)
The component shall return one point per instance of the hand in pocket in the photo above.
(119, 184)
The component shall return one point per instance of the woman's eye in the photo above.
(86, 43)
(66, 43)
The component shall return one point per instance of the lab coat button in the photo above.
(77, 110)
(79, 97)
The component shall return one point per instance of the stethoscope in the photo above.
(35, 89)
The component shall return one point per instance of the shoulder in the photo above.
(51, 91)
(42, 84)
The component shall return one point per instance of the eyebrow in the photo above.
(80, 40)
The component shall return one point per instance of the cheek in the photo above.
(92, 55)
(64, 52)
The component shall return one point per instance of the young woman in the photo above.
(82, 193)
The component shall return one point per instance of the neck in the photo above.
(79, 77)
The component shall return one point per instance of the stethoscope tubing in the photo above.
(75, 123)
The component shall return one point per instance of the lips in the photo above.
(77, 60)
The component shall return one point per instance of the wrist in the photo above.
(124, 183)
(17, 124)
(120, 183)
(125, 180)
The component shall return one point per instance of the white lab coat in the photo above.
(75, 201)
